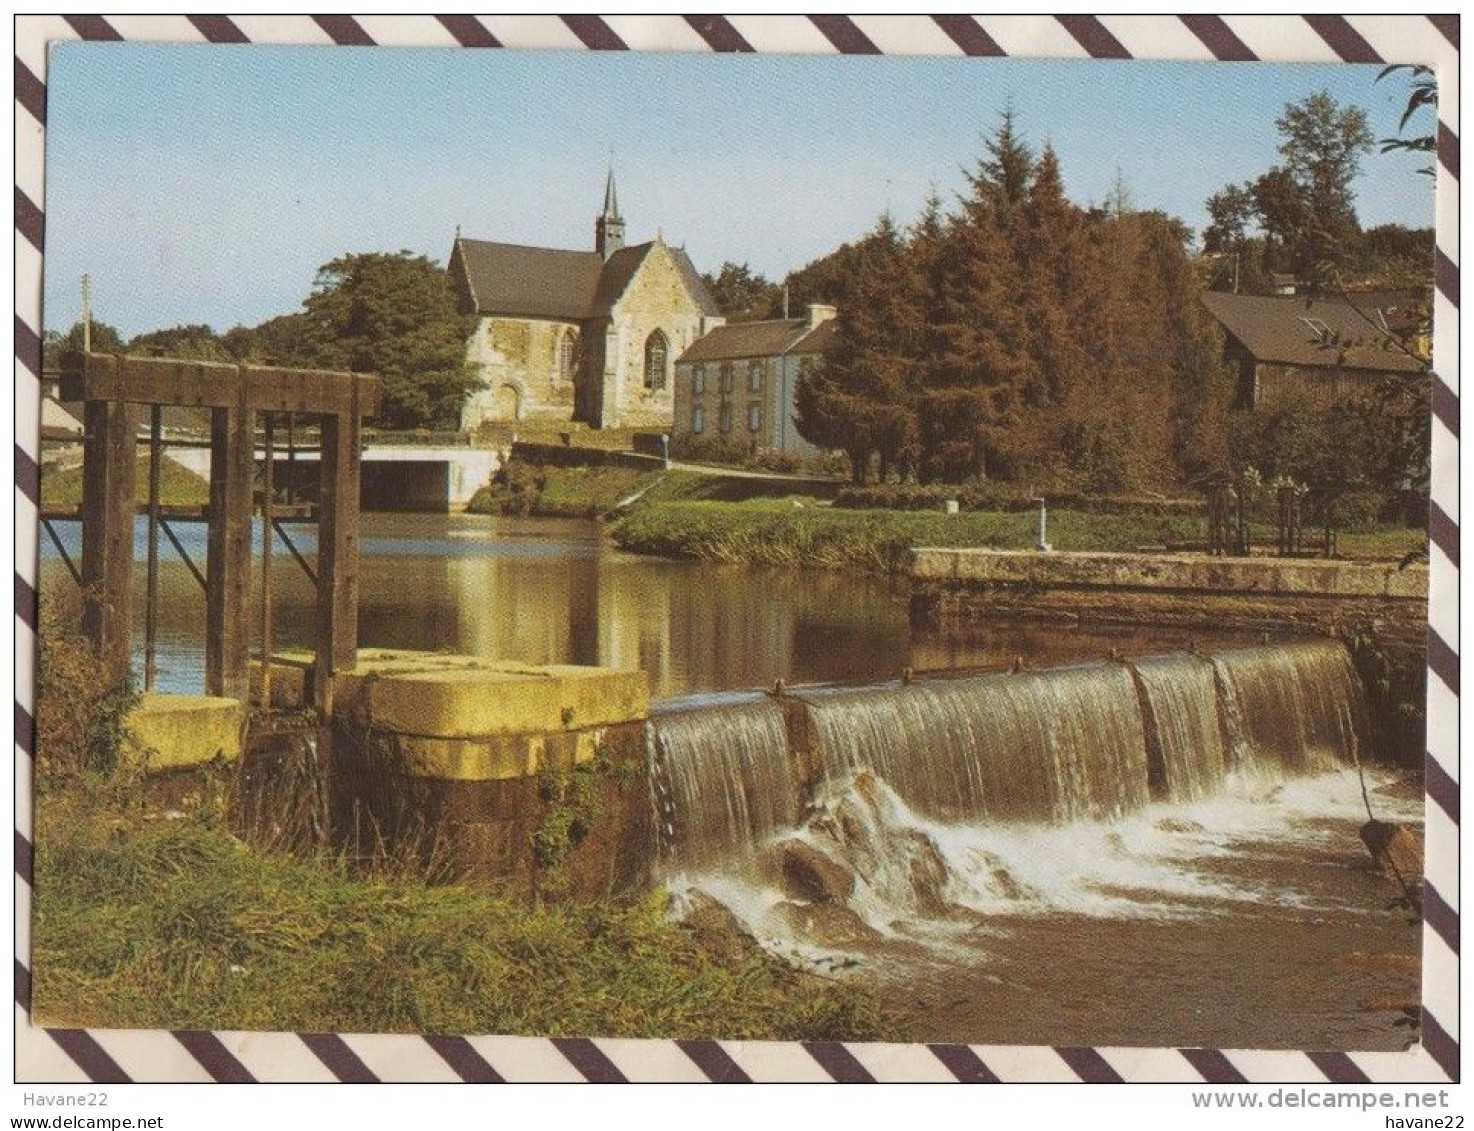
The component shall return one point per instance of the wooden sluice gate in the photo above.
(500, 768)
(113, 390)
(178, 734)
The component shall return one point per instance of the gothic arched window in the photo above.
(567, 356)
(656, 351)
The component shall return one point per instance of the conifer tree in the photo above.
(980, 365)
(863, 394)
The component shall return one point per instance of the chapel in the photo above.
(589, 336)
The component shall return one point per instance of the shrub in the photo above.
(80, 712)
(1008, 499)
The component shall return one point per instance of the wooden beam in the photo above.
(228, 568)
(337, 555)
(109, 472)
(205, 384)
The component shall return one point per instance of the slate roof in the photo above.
(1288, 330)
(746, 339)
(543, 282)
(818, 339)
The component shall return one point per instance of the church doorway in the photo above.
(508, 404)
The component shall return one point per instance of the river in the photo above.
(1238, 913)
(557, 591)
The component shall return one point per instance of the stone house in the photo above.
(588, 336)
(1317, 350)
(735, 385)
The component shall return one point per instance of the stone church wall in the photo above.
(655, 299)
(519, 361)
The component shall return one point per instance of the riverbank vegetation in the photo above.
(154, 917)
(142, 921)
(798, 532)
(178, 486)
(520, 488)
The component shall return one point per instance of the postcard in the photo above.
(899, 552)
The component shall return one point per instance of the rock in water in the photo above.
(826, 924)
(812, 875)
(1397, 850)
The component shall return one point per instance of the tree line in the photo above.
(1297, 220)
(1020, 336)
(394, 314)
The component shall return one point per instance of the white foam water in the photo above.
(977, 877)
(1173, 787)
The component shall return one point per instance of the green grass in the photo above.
(560, 492)
(1388, 543)
(178, 924)
(178, 486)
(795, 532)
(776, 532)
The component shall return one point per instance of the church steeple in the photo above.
(609, 228)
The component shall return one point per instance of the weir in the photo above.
(1090, 742)
(721, 780)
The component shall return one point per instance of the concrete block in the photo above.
(497, 757)
(180, 731)
(485, 700)
(448, 696)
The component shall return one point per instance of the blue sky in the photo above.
(207, 184)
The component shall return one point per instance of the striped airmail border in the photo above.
(103, 1056)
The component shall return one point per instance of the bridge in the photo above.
(429, 477)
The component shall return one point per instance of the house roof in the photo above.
(747, 339)
(1312, 333)
(817, 340)
(544, 282)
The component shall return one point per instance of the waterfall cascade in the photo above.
(1092, 742)
(720, 780)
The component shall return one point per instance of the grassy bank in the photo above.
(522, 488)
(170, 924)
(178, 486)
(152, 919)
(780, 533)
(558, 492)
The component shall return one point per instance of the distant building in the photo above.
(1315, 349)
(579, 335)
(735, 385)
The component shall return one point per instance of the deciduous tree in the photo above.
(395, 315)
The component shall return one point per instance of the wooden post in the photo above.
(268, 533)
(151, 589)
(228, 574)
(337, 552)
(109, 473)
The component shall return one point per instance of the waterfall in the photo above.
(720, 780)
(1180, 701)
(1291, 707)
(1088, 743)
(1052, 745)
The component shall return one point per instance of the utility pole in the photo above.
(86, 313)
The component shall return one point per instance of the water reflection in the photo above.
(552, 590)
